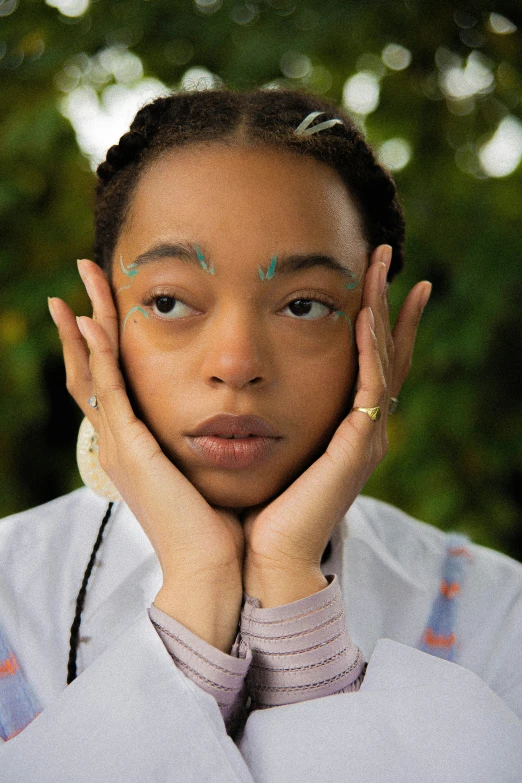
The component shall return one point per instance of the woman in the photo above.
(236, 379)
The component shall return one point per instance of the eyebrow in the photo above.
(286, 264)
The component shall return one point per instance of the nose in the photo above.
(235, 351)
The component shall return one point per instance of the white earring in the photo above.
(92, 473)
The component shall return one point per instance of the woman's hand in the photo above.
(197, 545)
(286, 539)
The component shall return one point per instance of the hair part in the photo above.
(259, 117)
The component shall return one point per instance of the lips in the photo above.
(227, 424)
(214, 445)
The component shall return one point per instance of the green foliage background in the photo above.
(455, 455)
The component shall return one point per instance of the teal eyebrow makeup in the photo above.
(201, 259)
(270, 272)
(354, 282)
(191, 253)
(188, 253)
(130, 270)
(133, 310)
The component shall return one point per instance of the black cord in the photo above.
(75, 627)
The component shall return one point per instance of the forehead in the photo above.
(257, 198)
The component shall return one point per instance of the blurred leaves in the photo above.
(455, 455)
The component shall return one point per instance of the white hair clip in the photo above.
(304, 130)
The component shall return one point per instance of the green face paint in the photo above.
(353, 283)
(133, 310)
(338, 313)
(270, 272)
(130, 270)
(203, 263)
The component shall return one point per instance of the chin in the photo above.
(232, 493)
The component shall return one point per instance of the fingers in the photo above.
(100, 294)
(377, 356)
(396, 348)
(372, 391)
(125, 442)
(405, 332)
(114, 406)
(375, 295)
(75, 354)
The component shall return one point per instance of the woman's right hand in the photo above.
(198, 546)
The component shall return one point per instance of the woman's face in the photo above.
(223, 333)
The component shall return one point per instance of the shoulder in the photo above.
(407, 545)
(404, 536)
(71, 516)
(397, 529)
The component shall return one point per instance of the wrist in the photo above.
(211, 611)
(277, 587)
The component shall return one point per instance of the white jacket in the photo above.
(131, 715)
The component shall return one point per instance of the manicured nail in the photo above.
(80, 325)
(84, 276)
(372, 318)
(386, 256)
(50, 304)
(426, 295)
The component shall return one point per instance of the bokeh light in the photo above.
(501, 25)
(460, 82)
(100, 121)
(501, 155)
(71, 8)
(295, 65)
(395, 154)
(7, 7)
(396, 57)
(361, 93)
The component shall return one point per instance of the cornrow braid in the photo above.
(259, 117)
(128, 148)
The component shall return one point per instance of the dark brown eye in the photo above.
(168, 307)
(305, 307)
(301, 306)
(165, 303)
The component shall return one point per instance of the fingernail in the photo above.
(50, 304)
(372, 318)
(426, 296)
(80, 325)
(386, 256)
(84, 276)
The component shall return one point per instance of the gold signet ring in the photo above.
(373, 413)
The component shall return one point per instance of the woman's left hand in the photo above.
(285, 540)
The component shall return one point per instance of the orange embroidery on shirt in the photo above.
(449, 590)
(436, 640)
(460, 551)
(9, 666)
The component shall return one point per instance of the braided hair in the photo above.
(259, 117)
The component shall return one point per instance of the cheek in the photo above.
(321, 386)
(150, 377)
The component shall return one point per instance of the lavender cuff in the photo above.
(221, 675)
(301, 650)
(281, 655)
